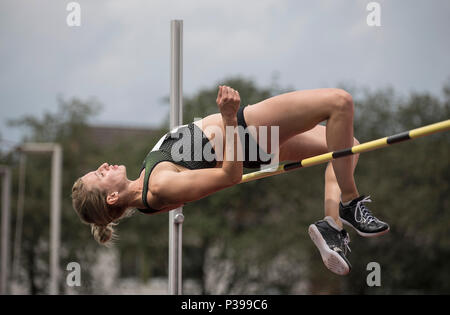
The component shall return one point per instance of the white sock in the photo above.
(345, 203)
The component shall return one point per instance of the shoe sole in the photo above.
(365, 234)
(332, 260)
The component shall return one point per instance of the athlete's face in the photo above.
(108, 178)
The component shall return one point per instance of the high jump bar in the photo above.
(364, 147)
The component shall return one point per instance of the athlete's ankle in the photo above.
(336, 220)
(348, 197)
(339, 223)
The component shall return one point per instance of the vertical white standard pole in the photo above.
(6, 194)
(19, 219)
(55, 205)
(55, 218)
(176, 118)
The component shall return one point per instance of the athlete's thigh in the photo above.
(309, 143)
(304, 145)
(293, 112)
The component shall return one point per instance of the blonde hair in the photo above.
(92, 208)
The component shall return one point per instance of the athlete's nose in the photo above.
(104, 166)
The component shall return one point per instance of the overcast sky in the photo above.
(120, 53)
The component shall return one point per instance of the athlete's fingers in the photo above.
(235, 95)
(219, 94)
(226, 93)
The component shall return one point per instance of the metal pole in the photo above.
(176, 118)
(55, 206)
(55, 218)
(19, 220)
(6, 194)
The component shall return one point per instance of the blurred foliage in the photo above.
(252, 238)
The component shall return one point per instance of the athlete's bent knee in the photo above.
(343, 101)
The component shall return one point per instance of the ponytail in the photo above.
(103, 234)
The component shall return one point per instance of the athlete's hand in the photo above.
(228, 101)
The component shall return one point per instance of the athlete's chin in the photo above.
(123, 169)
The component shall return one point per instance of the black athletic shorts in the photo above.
(247, 141)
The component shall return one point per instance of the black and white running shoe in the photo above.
(358, 216)
(332, 243)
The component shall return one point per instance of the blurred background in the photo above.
(101, 89)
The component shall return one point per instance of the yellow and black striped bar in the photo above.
(364, 147)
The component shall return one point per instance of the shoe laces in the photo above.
(346, 241)
(365, 216)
